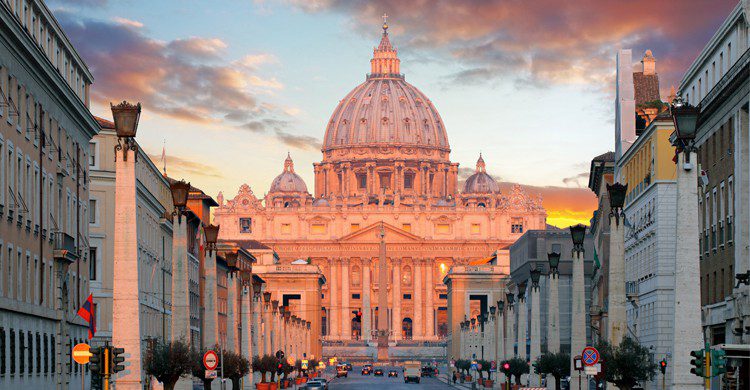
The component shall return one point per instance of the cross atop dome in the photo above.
(385, 23)
(288, 163)
(385, 62)
(480, 164)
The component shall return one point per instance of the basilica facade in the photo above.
(385, 166)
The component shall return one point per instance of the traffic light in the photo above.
(117, 359)
(698, 363)
(96, 361)
(506, 367)
(663, 366)
(718, 362)
(279, 368)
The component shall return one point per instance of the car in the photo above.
(348, 366)
(366, 370)
(317, 383)
(342, 371)
(428, 371)
(378, 372)
(393, 373)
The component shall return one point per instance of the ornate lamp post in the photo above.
(126, 117)
(535, 331)
(180, 191)
(617, 320)
(578, 314)
(210, 331)
(267, 326)
(126, 300)
(500, 332)
(553, 308)
(523, 325)
(510, 339)
(687, 306)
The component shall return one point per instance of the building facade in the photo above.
(154, 232)
(45, 129)
(717, 83)
(385, 159)
(650, 224)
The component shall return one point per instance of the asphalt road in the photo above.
(358, 381)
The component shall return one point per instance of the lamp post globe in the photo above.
(685, 119)
(509, 296)
(578, 234)
(500, 306)
(554, 261)
(536, 274)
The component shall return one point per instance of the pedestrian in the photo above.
(454, 377)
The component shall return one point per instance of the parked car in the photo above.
(342, 371)
(429, 371)
(348, 366)
(393, 373)
(378, 372)
(366, 370)
(317, 383)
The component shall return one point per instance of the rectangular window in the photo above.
(355, 296)
(93, 211)
(92, 154)
(730, 209)
(407, 297)
(442, 228)
(361, 181)
(286, 228)
(21, 353)
(443, 296)
(354, 227)
(317, 228)
(385, 180)
(721, 214)
(46, 354)
(92, 263)
(475, 228)
(406, 227)
(30, 342)
(12, 345)
(2, 351)
(516, 225)
(246, 225)
(408, 180)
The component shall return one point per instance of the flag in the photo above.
(87, 313)
(199, 237)
(597, 264)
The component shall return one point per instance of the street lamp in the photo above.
(212, 234)
(554, 261)
(126, 118)
(500, 306)
(685, 119)
(180, 191)
(231, 259)
(493, 310)
(578, 233)
(521, 291)
(536, 274)
(509, 298)
(246, 275)
(266, 296)
(616, 199)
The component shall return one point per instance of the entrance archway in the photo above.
(406, 329)
(356, 328)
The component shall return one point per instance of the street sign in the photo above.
(331, 361)
(81, 353)
(493, 366)
(473, 364)
(590, 356)
(479, 366)
(210, 360)
(304, 364)
(591, 370)
(578, 363)
(211, 374)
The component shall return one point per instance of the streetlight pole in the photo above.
(553, 310)
(536, 346)
(687, 306)
(578, 314)
(617, 320)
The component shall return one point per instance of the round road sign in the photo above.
(81, 353)
(210, 360)
(590, 356)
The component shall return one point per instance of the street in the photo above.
(358, 381)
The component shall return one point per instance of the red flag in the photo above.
(87, 313)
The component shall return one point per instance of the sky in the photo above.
(229, 87)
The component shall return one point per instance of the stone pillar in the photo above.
(256, 321)
(210, 331)
(499, 339)
(396, 299)
(267, 328)
(180, 282)
(553, 320)
(232, 313)
(346, 310)
(366, 304)
(536, 334)
(429, 269)
(522, 323)
(246, 346)
(687, 305)
(418, 320)
(275, 326)
(333, 291)
(510, 338)
(126, 308)
(617, 321)
(578, 318)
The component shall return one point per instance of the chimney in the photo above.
(649, 63)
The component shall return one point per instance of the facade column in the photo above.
(232, 313)
(578, 318)
(210, 331)
(308, 346)
(536, 334)
(275, 326)
(180, 282)
(333, 291)
(429, 269)
(346, 311)
(553, 320)
(522, 324)
(510, 338)
(396, 298)
(246, 346)
(126, 308)
(366, 304)
(256, 321)
(617, 320)
(687, 306)
(499, 337)
(267, 325)
(418, 320)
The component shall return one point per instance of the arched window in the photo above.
(356, 275)
(406, 328)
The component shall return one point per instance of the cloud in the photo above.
(185, 166)
(565, 206)
(541, 42)
(576, 179)
(197, 48)
(298, 141)
(127, 22)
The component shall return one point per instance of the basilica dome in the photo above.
(385, 110)
(288, 181)
(481, 182)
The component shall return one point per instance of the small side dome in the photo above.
(288, 181)
(321, 202)
(480, 182)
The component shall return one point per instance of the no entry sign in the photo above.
(210, 360)
(81, 353)
(590, 356)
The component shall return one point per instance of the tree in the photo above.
(235, 367)
(518, 367)
(628, 364)
(265, 364)
(485, 368)
(463, 365)
(555, 364)
(168, 362)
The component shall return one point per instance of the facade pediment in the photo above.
(371, 233)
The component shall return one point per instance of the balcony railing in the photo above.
(631, 290)
(65, 247)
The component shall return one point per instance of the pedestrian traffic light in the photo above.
(718, 362)
(95, 360)
(663, 366)
(698, 363)
(117, 358)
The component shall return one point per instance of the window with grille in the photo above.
(21, 353)
(361, 181)
(516, 225)
(46, 354)
(92, 263)
(2, 351)
(408, 180)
